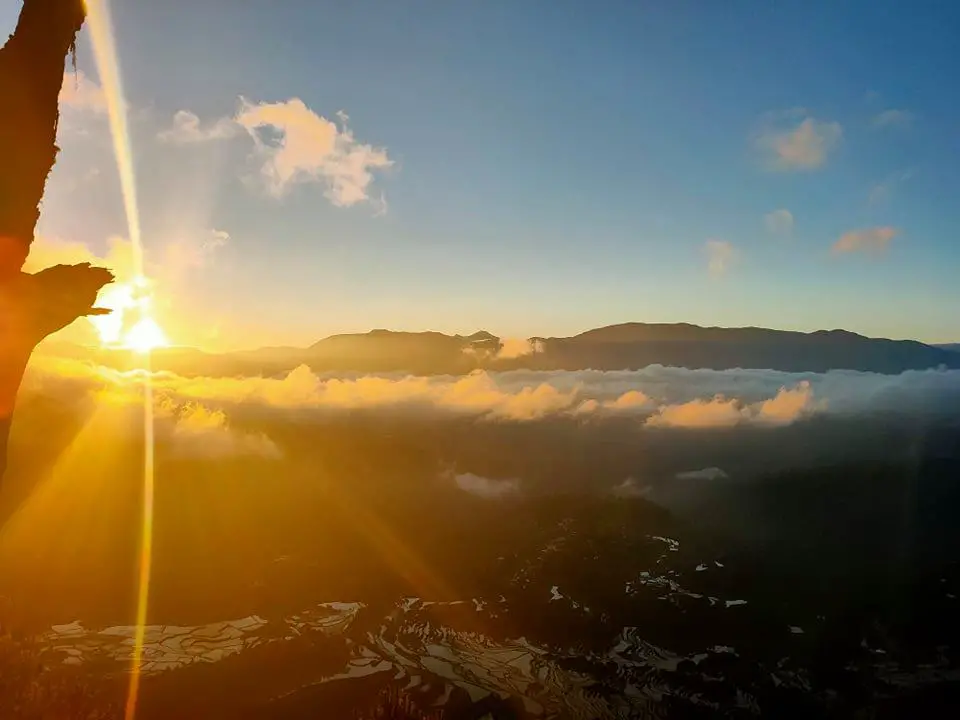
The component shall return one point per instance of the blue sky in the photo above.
(528, 167)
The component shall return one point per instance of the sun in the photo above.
(130, 325)
(144, 336)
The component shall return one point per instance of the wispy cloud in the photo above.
(867, 240)
(720, 256)
(794, 141)
(883, 191)
(893, 118)
(630, 487)
(80, 92)
(710, 473)
(779, 222)
(485, 487)
(194, 252)
(187, 129)
(295, 145)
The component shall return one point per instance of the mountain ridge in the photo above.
(624, 346)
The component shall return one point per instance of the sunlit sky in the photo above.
(307, 168)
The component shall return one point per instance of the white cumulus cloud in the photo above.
(295, 145)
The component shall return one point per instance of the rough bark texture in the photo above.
(33, 305)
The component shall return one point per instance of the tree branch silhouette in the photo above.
(32, 306)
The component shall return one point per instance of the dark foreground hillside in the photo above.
(823, 594)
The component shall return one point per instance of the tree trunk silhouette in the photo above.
(33, 306)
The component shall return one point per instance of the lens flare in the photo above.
(105, 56)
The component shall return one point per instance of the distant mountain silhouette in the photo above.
(628, 346)
(636, 345)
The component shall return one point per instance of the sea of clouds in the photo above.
(193, 413)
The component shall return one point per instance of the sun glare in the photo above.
(145, 336)
(130, 324)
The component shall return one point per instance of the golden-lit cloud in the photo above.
(867, 240)
(779, 222)
(517, 397)
(631, 401)
(655, 397)
(295, 145)
(717, 412)
(511, 348)
(795, 141)
(80, 92)
(720, 256)
(786, 407)
(194, 430)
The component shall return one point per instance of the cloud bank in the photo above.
(655, 398)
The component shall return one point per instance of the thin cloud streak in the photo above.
(893, 118)
(871, 241)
